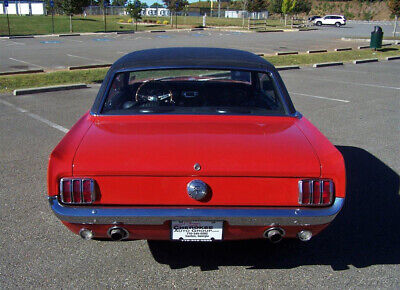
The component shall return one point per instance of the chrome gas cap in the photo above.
(197, 189)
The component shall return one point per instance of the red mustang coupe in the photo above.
(195, 144)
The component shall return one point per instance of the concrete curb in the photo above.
(358, 61)
(196, 29)
(275, 30)
(363, 47)
(324, 64)
(89, 66)
(19, 72)
(286, 52)
(126, 32)
(393, 57)
(67, 35)
(287, 67)
(155, 31)
(343, 49)
(48, 89)
(21, 36)
(317, 51)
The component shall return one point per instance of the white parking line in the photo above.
(74, 40)
(36, 117)
(359, 84)
(15, 43)
(319, 97)
(26, 62)
(82, 57)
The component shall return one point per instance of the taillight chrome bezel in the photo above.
(321, 186)
(82, 200)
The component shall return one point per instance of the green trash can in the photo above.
(376, 38)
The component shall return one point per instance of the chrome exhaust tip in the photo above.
(118, 233)
(275, 235)
(86, 234)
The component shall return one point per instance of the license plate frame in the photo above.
(197, 231)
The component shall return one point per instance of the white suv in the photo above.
(337, 20)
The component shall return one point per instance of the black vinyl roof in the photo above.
(202, 57)
(190, 58)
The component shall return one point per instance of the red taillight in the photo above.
(316, 192)
(77, 190)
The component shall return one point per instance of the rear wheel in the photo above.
(318, 23)
(337, 24)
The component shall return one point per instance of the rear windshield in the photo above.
(193, 92)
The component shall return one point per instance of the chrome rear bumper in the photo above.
(235, 216)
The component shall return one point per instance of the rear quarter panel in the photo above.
(331, 160)
(61, 159)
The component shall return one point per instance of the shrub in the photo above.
(165, 22)
(158, 22)
(130, 20)
(121, 20)
(145, 20)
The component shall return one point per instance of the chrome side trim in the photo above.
(257, 216)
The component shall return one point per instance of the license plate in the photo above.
(196, 230)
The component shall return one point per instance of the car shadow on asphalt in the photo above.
(365, 233)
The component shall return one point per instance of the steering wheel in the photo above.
(154, 92)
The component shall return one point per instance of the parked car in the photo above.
(337, 20)
(195, 144)
(311, 19)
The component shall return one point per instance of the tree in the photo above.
(303, 7)
(118, 2)
(394, 6)
(156, 5)
(275, 6)
(288, 7)
(135, 11)
(257, 5)
(71, 7)
(175, 5)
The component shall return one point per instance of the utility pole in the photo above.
(8, 20)
(105, 15)
(176, 14)
(52, 13)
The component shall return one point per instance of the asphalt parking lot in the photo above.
(52, 53)
(356, 106)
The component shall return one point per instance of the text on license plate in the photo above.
(196, 230)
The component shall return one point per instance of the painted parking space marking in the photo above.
(15, 43)
(198, 35)
(74, 40)
(102, 39)
(22, 61)
(51, 41)
(36, 117)
(320, 97)
(359, 84)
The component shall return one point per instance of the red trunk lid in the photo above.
(248, 151)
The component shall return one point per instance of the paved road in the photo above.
(59, 53)
(356, 106)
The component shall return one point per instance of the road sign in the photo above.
(51, 3)
(5, 3)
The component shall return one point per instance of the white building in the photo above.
(23, 8)
(154, 11)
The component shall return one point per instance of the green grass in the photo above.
(304, 59)
(10, 83)
(33, 25)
